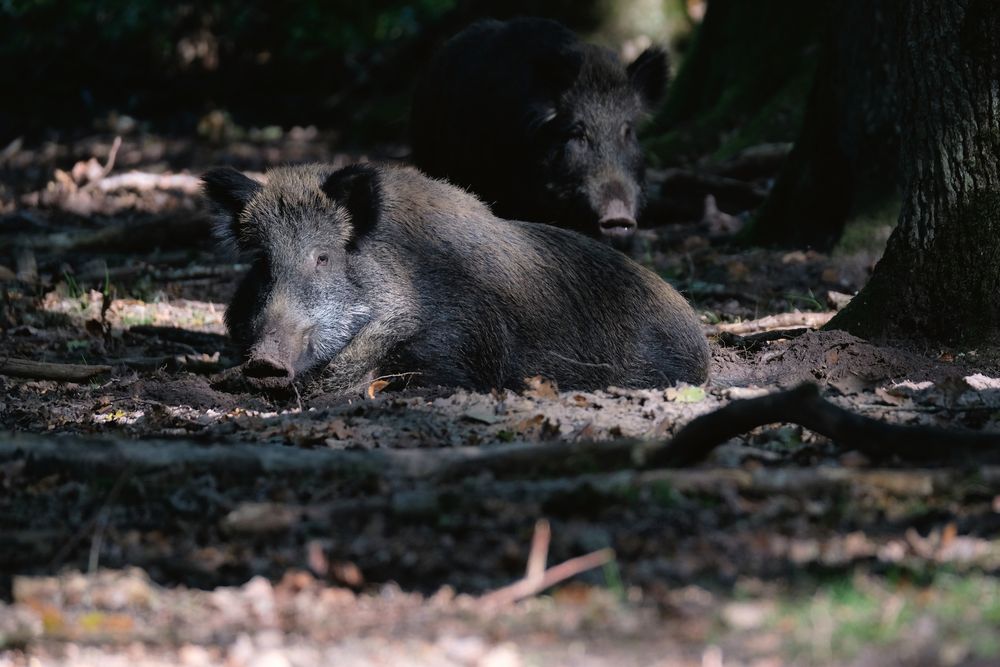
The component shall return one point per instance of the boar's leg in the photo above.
(366, 357)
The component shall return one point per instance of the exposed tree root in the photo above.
(804, 406)
(40, 370)
(754, 342)
(692, 443)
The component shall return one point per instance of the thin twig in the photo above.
(94, 522)
(539, 554)
(112, 154)
(526, 588)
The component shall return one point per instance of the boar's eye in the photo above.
(576, 133)
(322, 259)
(628, 132)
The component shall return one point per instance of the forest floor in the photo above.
(149, 516)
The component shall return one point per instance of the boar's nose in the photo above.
(263, 366)
(616, 221)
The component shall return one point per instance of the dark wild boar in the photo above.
(539, 124)
(376, 270)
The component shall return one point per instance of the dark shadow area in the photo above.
(324, 64)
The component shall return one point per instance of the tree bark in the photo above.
(939, 278)
(845, 159)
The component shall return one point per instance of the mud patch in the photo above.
(185, 389)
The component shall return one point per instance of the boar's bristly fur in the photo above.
(539, 124)
(377, 270)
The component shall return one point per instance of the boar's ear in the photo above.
(648, 74)
(357, 188)
(229, 191)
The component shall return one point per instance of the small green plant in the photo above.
(106, 290)
(73, 289)
(136, 320)
(613, 579)
(809, 300)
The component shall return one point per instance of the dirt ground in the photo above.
(150, 514)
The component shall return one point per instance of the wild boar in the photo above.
(375, 270)
(539, 124)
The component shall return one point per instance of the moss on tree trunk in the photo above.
(940, 276)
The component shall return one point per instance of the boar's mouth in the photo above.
(616, 222)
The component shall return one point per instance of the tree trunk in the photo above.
(939, 278)
(749, 67)
(844, 163)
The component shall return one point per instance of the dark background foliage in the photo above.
(306, 62)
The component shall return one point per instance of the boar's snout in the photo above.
(263, 367)
(616, 221)
(277, 355)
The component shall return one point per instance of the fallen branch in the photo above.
(140, 180)
(169, 230)
(110, 456)
(754, 342)
(41, 370)
(771, 322)
(427, 501)
(195, 339)
(804, 406)
(196, 363)
(755, 162)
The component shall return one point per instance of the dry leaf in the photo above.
(889, 397)
(540, 387)
(347, 573)
(376, 386)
